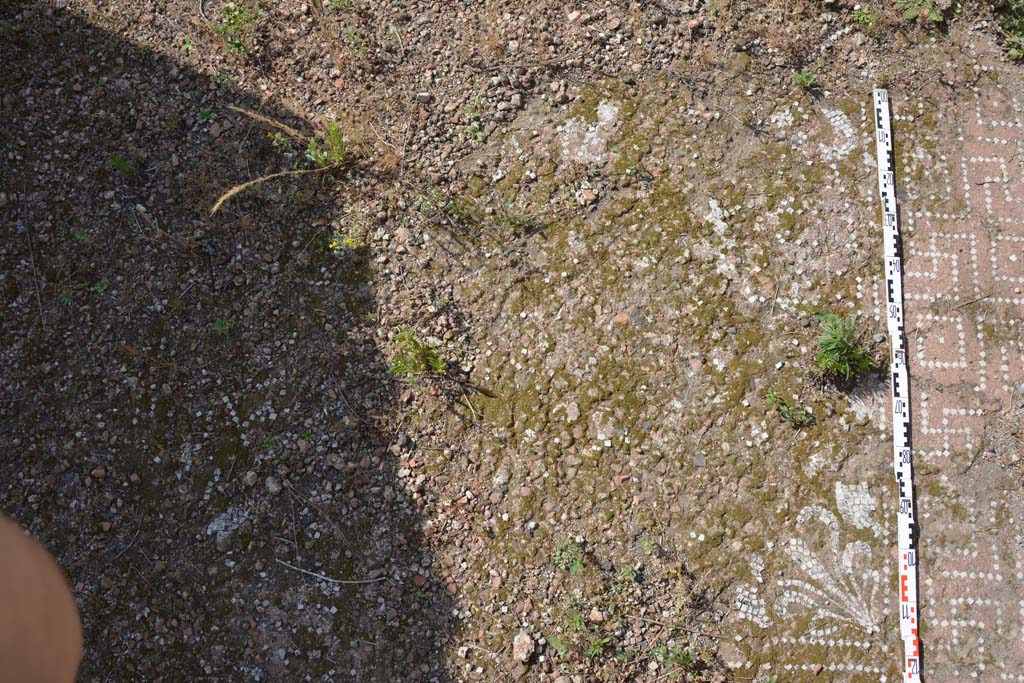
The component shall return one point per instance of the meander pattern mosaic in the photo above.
(830, 610)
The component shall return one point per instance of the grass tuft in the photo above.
(794, 415)
(805, 78)
(330, 150)
(839, 355)
(416, 358)
(236, 27)
(1011, 20)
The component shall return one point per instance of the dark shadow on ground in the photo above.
(186, 400)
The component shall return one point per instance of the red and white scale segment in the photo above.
(906, 529)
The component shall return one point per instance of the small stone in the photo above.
(423, 97)
(522, 647)
(135, 479)
(596, 616)
(621, 318)
(303, 446)
(572, 16)
(694, 23)
(106, 526)
(502, 476)
(585, 197)
(614, 23)
(419, 580)
(700, 461)
(250, 478)
(516, 100)
(274, 485)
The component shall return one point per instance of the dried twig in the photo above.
(127, 547)
(327, 578)
(307, 501)
(269, 121)
(675, 627)
(35, 279)
(972, 301)
(256, 181)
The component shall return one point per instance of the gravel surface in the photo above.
(597, 215)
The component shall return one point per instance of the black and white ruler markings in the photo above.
(906, 531)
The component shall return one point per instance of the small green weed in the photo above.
(680, 657)
(268, 443)
(340, 243)
(204, 115)
(329, 151)
(569, 557)
(559, 645)
(515, 222)
(473, 130)
(343, 4)
(461, 213)
(282, 144)
(393, 36)
(805, 78)
(1011, 20)
(416, 358)
(866, 20)
(355, 40)
(794, 415)
(574, 621)
(929, 9)
(122, 165)
(237, 27)
(839, 355)
(680, 661)
(595, 646)
(222, 326)
(81, 235)
(99, 287)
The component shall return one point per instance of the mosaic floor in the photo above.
(826, 611)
